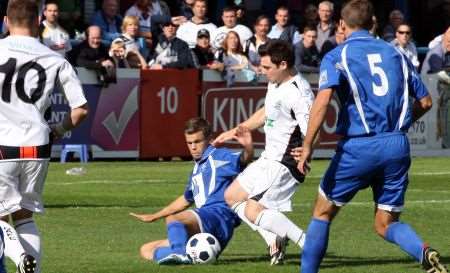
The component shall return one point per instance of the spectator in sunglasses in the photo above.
(403, 42)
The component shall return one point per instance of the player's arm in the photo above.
(317, 116)
(421, 106)
(70, 121)
(177, 205)
(253, 122)
(71, 87)
(244, 137)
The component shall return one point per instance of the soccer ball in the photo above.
(203, 248)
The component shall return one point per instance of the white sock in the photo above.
(30, 239)
(269, 237)
(279, 224)
(13, 248)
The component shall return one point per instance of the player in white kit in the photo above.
(264, 190)
(29, 72)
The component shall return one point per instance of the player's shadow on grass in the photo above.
(66, 206)
(241, 258)
(331, 261)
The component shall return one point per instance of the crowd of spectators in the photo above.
(147, 36)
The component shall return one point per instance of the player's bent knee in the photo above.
(146, 251)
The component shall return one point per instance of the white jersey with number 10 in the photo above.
(29, 72)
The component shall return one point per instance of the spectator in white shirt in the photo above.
(403, 42)
(282, 29)
(230, 24)
(188, 31)
(51, 33)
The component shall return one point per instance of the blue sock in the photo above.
(406, 238)
(162, 252)
(178, 237)
(315, 245)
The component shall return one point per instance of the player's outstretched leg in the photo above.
(279, 224)
(316, 244)
(29, 238)
(407, 239)
(13, 249)
(177, 235)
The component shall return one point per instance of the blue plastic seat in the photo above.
(81, 149)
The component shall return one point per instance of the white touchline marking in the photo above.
(362, 204)
(306, 204)
(112, 182)
(410, 173)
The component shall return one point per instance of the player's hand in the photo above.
(297, 153)
(304, 160)
(148, 218)
(225, 136)
(58, 131)
(243, 136)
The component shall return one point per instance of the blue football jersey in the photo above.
(374, 82)
(211, 175)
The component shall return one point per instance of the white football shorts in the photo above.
(21, 185)
(270, 183)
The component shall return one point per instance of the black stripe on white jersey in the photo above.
(296, 140)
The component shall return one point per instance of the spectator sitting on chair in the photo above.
(51, 33)
(403, 42)
(109, 20)
(203, 53)
(307, 59)
(92, 54)
(171, 52)
(282, 29)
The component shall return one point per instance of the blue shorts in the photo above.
(381, 162)
(219, 221)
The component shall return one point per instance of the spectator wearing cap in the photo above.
(403, 42)
(203, 53)
(171, 52)
(188, 30)
(109, 20)
(230, 24)
(282, 29)
(262, 26)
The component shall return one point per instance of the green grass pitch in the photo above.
(86, 227)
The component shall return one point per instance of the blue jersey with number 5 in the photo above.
(374, 83)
